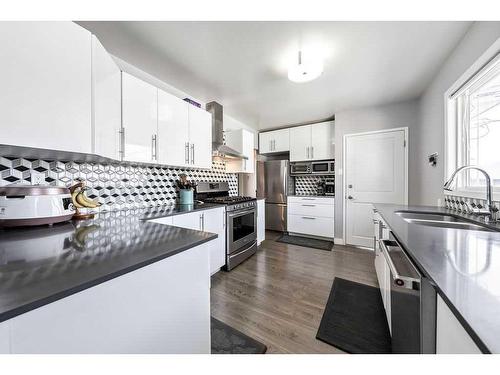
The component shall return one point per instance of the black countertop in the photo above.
(464, 265)
(40, 265)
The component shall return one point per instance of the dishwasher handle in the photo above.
(409, 278)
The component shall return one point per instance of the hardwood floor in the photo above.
(278, 295)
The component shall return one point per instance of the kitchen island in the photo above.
(114, 284)
(463, 265)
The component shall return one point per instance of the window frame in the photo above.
(453, 155)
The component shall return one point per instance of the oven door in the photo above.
(241, 229)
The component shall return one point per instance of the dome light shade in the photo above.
(305, 70)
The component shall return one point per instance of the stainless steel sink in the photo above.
(441, 220)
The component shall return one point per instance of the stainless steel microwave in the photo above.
(300, 168)
(325, 167)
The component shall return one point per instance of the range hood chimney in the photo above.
(218, 147)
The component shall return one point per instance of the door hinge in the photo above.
(404, 143)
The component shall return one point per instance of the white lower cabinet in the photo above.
(142, 311)
(451, 336)
(261, 221)
(382, 267)
(213, 221)
(313, 216)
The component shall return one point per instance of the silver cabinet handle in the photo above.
(270, 145)
(201, 222)
(312, 152)
(308, 205)
(308, 199)
(154, 155)
(122, 143)
(186, 152)
(308, 218)
(307, 152)
(192, 153)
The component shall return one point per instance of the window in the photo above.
(473, 128)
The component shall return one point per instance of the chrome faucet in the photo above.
(491, 212)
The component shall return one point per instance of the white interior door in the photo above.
(375, 172)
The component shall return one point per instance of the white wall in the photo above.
(428, 187)
(396, 115)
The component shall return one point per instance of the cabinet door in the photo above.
(200, 137)
(321, 141)
(261, 221)
(451, 336)
(173, 130)
(214, 221)
(248, 150)
(300, 143)
(281, 140)
(107, 101)
(140, 119)
(45, 75)
(242, 141)
(265, 142)
(189, 221)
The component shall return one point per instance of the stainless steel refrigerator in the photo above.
(272, 184)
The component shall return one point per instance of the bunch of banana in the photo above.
(80, 200)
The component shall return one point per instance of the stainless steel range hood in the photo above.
(218, 147)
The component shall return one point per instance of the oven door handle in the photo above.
(401, 280)
(240, 213)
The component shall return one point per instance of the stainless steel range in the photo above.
(241, 220)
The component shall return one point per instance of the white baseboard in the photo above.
(339, 241)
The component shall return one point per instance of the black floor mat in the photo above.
(354, 319)
(306, 242)
(227, 340)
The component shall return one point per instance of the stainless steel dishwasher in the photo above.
(413, 303)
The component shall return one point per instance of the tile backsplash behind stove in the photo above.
(306, 185)
(117, 186)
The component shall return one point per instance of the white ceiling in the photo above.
(243, 65)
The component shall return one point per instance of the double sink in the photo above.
(443, 220)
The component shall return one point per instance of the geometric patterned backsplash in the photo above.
(306, 185)
(466, 205)
(117, 186)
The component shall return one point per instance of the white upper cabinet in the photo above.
(322, 146)
(312, 142)
(242, 141)
(274, 141)
(300, 143)
(200, 137)
(45, 75)
(106, 90)
(140, 119)
(173, 130)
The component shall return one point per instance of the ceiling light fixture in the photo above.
(305, 70)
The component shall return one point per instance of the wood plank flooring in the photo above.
(278, 295)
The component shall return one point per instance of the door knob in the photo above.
(350, 197)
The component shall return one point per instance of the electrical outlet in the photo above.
(37, 178)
